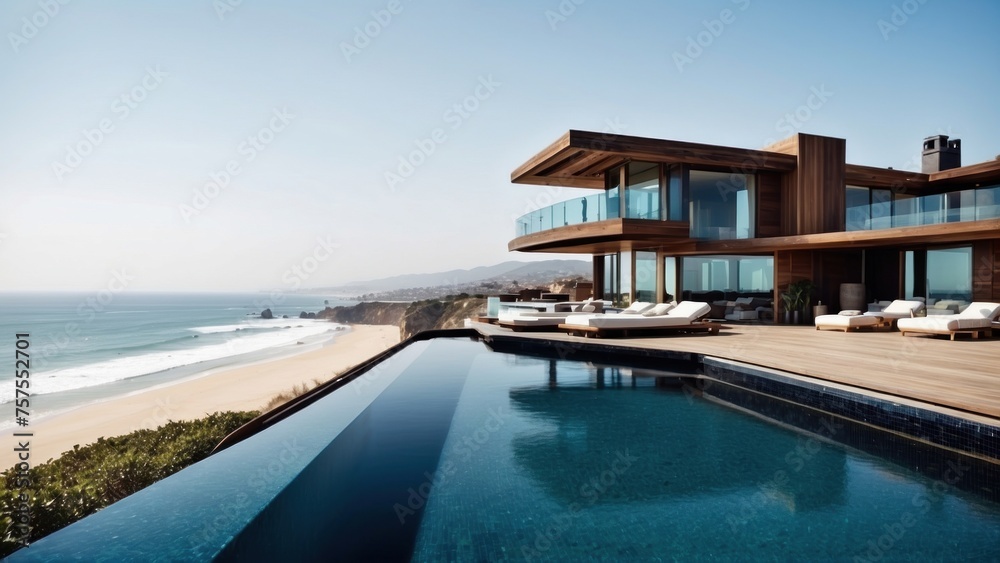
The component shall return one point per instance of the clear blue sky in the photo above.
(179, 87)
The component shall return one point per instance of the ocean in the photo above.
(88, 347)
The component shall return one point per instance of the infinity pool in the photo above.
(453, 452)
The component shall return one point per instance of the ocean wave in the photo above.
(259, 324)
(126, 367)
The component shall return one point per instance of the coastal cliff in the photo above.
(411, 318)
(376, 313)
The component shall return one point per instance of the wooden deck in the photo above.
(963, 374)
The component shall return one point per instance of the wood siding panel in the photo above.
(789, 196)
(996, 271)
(820, 194)
(790, 266)
(768, 205)
(984, 271)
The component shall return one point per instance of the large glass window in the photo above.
(642, 191)
(740, 274)
(721, 205)
(988, 203)
(625, 259)
(858, 209)
(611, 287)
(939, 275)
(868, 208)
(677, 196)
(881, 208)
(670, 278)
(645, 276)
(949, 274)
(613, 182)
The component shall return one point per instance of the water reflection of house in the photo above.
(671, 446)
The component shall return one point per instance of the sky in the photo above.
(244, 145)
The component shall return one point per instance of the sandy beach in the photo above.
(235, 389)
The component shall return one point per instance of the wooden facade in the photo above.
(799, 210)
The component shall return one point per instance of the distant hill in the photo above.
(476, 280)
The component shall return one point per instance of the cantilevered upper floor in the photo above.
(690, 198)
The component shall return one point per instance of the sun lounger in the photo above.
(525, 320)
(899, 309)
(977, 320)
(848, 322)
(680, 318)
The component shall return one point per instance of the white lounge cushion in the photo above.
(637, 308)
(899, 309)
(658, 309)
(690, 310)
(684, 313)
(977, 315)
(845, 321)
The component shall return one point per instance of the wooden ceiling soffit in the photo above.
(872, 177)
(988, 172)
(592, 164)
(658, 150)
(578, 158)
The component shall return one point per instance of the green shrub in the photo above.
(86, 479)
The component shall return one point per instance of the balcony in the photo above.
(978, 204)
(590, 225)
(589, 209)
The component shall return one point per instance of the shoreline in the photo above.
(232, 388)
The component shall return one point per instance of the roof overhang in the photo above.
(580, 158)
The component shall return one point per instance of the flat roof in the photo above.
(578, 159)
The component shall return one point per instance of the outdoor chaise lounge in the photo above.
(662, 318)
(524, 320)
(898, 309)
(848, 321)
(977, 319)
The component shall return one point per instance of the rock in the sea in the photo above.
(266, 314)
(305, 315)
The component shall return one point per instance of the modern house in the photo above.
(672, 219)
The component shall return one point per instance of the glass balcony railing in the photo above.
(967, 205)
(589, 209)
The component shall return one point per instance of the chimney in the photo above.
(941, 154)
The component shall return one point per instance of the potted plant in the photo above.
(797, 299)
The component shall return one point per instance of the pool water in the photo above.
(551, 459)
(450, 451)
